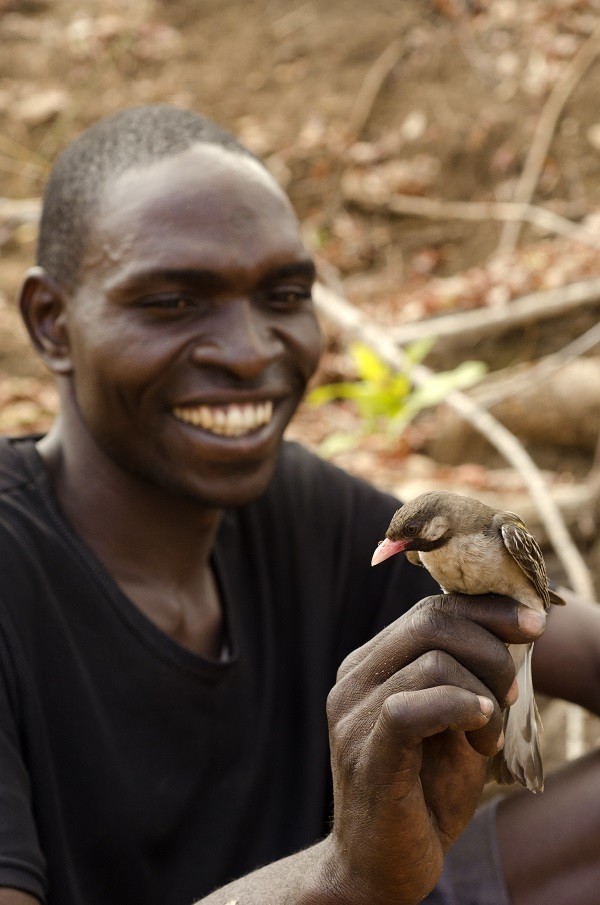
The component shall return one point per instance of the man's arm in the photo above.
(566, 660)
(413, 718)
(550, 844)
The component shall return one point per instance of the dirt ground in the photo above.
(455, 116)
(463, 96)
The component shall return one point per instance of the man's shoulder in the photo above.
(304, 473)
(13, 471)
(22, 507)
(314, 495)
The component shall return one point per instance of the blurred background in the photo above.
(444, 159)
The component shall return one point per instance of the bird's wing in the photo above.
(524, 549)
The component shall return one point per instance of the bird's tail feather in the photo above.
(520, 759)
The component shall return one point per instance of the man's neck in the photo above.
(155, 545)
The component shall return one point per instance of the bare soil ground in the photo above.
(453, 118)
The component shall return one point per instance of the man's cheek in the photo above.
(309, 348)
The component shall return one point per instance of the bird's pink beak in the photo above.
(386, 549)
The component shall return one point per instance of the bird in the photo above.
(471, 548)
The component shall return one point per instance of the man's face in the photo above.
(192, 328)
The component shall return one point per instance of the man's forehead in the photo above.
(204, 203)
(205, 188)
(211, 169)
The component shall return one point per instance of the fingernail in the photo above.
(530, 621)
(486, 706)
(513, 693)
(500, 744)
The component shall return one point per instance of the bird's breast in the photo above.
(476, 564)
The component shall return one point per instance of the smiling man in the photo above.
(192, 334)
(179, 586)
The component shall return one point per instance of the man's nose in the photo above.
(243, 341)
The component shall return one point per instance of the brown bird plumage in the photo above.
(470, 548)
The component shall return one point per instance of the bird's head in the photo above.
(424, 523)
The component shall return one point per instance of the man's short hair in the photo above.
(127, 139)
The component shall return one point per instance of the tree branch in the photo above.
(536, 306)
(507, 211)
(545, 129)
(355, 323)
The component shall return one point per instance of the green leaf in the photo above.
(387, 400)
(439, 385)
(419, 350)
(338, 442)
(368, 364)
(331, 391)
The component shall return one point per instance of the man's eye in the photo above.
(288, 297)
(167, 303)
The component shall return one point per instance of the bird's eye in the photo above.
(411, 529)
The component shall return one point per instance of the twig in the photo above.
(536, 306)
(359, 116)
(357, 324)
(372, 84)
(545, 368)
(508, 211)
(545, 129)
(15, 213)
(20, 210)
(24, 154)
(504, 211)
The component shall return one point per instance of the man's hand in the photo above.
(413, 718)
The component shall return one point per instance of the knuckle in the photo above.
(346, 742)
(391, 713)
(353, 659)
(333, 706)
(343, 735)
(347, 665)
(428, 619)
(437, 667)
(500, 675)
(433, 602)
(342, 702)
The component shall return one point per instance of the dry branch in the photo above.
(372, 84)
(546, 126)
(18, 211)
(548, 365)
(534, 307)
(358, 325)
(562, 413)
(507, 211)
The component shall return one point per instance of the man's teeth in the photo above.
(229, 421)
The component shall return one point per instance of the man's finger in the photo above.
(437, 668)
(433, 625)
(409, 717)
(509, 620)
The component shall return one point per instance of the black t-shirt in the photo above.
(131, 769)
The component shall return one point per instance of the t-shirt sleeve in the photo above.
(22, 865)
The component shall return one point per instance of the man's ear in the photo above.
(43, 309)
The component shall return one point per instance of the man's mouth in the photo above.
(226, 421)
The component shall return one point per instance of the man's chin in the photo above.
(219, 486)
